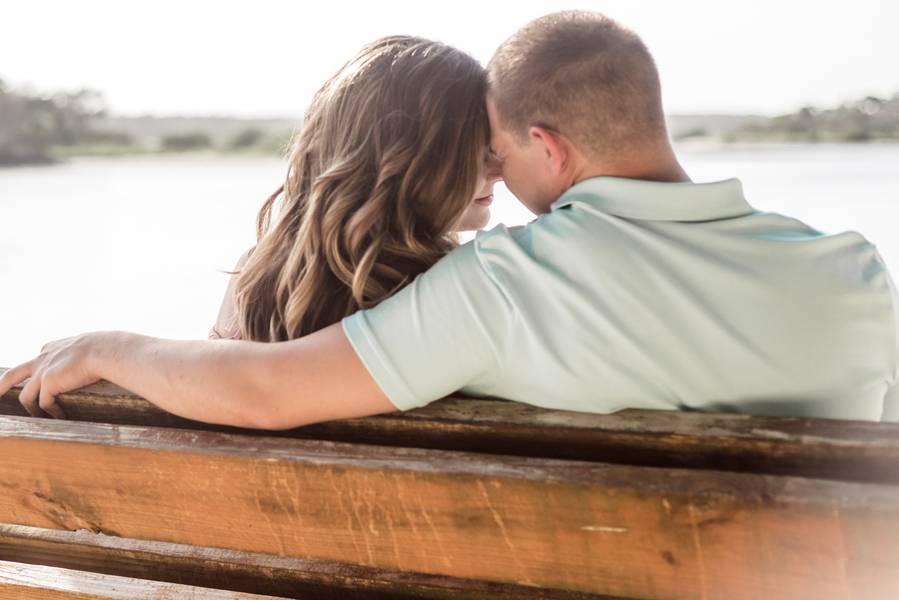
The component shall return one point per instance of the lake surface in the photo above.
(140, 243)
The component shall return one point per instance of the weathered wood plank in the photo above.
(19, 580)
(253, 572)
(834, 449)
(634, 532)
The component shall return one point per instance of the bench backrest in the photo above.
(464, 498)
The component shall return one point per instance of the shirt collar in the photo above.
(659, 201)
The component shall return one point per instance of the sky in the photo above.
(265, 58)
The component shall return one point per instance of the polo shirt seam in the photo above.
(893, 297)
(501, 367)
(410, 400)
(585, 193)
(894, 294)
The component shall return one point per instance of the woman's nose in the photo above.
(494, 170)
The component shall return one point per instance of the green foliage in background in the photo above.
(186, 142)
(694, 132)
(869, 119)
(32, 125)
(248, 138)
(43, 128)
(37, 128)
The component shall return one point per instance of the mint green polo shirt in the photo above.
(638, 294)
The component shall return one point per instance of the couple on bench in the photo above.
(633, 288)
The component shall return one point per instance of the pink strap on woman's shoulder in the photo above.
(215, 334)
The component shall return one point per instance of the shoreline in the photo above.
(709, 144)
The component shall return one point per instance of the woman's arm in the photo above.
(240, 383)
(226, 326)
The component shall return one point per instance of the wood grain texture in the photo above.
(834, 449)
(634, 532)
(38, 582)
(258, 573)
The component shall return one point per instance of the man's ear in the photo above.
(556, 148)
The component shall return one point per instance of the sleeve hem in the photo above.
(368, 350)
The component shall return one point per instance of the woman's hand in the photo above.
(62, 366)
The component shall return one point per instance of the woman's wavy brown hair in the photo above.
(386, 162)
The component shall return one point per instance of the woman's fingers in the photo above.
(60, 367)
(38, 397)
(15, 376)
(28, 397)
(47, 401)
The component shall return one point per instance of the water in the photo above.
(139, 243)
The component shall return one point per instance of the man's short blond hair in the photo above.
(583, 75)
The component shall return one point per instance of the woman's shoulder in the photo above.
(244, 258)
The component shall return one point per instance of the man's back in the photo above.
(635, 294)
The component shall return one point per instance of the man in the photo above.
(633, 288)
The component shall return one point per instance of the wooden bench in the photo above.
(461, 499)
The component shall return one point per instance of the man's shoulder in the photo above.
(561, 244)
(544, 238)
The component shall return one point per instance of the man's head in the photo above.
(572, 95)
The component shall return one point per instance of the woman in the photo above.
(391, 160)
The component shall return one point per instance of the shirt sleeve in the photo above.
(891, 404)
(891, 400)
(443, 332)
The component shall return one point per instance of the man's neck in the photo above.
(662, 166)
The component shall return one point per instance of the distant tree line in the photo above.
(868, 119)
(37, 128)
(31, 125)
(40, 128)
(247, 140)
